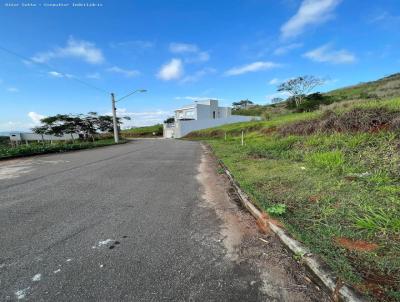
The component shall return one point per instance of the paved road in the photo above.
(120, 223)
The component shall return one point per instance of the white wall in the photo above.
(224, 112)
(184, 127)
(203, 112)
(168, 132)
(38, 137)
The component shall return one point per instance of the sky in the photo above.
(68, 59)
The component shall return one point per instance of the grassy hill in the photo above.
(335, 172)
(383, 88)
(148, 131)
(387, 87)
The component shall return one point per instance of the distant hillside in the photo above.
(148, 131)
(384, 88)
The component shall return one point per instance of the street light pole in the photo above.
(114, 113)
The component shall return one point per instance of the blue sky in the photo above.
(182, 51)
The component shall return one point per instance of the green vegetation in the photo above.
(4, 141)
(332, 177)
(149, 131)
(88, 125)
(38, 148)
(374, 91)
(386, 87)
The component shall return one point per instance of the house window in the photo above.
(213, 114)
(189, 114)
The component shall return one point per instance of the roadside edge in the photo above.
(320, 272)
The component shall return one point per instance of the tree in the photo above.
(300, 87)
(276, 100)
(169, 120)
(87, 125)
(242, 104)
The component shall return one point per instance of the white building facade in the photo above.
(201, 115)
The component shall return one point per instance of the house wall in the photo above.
(184, 127)
(168, 132)
(187, 113)
(224, 112)
(203, 112)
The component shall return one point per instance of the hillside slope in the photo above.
(387, 87)
(332, 177)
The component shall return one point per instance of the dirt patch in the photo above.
(283, 279)
(268, 130)
(356, 245)
(314, 198)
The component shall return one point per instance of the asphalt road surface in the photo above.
(120, 223)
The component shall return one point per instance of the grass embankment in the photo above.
(149, 131)
(383, 88)
(335, 175)
(38, 148)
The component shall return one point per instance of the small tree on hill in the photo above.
(300, 87)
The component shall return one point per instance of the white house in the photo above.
(201, 115)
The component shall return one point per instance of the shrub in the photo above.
(277, 209)
(311, 102)
(357, 119)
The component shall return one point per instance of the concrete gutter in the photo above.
(320, 272)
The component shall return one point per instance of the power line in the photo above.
(51, 68)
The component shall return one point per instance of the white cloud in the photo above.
(198, 57)
(79, 49)
(125, 72)
(197, 98)
(35, 117)
(143, 118)
(325, 53)
(256, 66)
(172, 70)
(274, 81)
(191, 52)
(385, 18)
(203, 56)
(182, 48)
(311, 12)
(12, 89)
(282, 95)
(55, 74)
(198, 75)
(12, 126)
(286, 48)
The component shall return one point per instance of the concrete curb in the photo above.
(320, 272)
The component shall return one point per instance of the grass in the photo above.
(38, 148)
(370, 92)
(383, 88)
(325, 187)
(148, 131)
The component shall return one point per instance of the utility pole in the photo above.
(114, 113)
